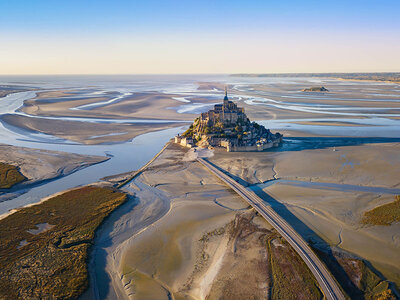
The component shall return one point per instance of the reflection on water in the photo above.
(125, 157)
(329, 186)
(310, 143)
(376, 124)
(371, 127)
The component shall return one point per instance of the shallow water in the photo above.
(127, 156)
(375, 125)
(331, 186)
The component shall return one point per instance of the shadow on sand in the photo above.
(100, 280)
(310, 143)
(320, 246)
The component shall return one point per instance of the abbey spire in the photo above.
(226, 94)
(227, 126)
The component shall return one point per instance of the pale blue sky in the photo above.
(68, 37)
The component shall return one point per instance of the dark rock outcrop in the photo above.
(315, 89)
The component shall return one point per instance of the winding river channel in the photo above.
(341, 118)
(125, 157)
(381, 121)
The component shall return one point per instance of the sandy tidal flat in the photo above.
(40, 165)
(207, 243)
(85, 132)
(149, 105)
(323, 193)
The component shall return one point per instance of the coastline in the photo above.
(41, 167)
(369, 80)
(44, 181)
(155, 207)
(325, 201)
(21, 187)
(313, 196)
(337, 76)
(58, 254)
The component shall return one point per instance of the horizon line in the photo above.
(199, 73)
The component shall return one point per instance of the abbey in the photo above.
(227, 127)
(226, 113)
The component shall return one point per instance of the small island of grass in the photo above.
(384, 214)
(315, 89)
(44, 248)
(9, 176)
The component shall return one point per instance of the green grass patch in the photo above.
(291, 278)
(52, 264)
(356, 278)
(384, 214)
(9, 176)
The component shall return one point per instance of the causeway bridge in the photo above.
(326, 281)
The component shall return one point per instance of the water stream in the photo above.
(373, 124)
(127, 156)
(330, 186)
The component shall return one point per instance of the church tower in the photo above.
(226, 100)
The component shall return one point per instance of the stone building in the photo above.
(225, 113)
(227, 126)
(184, 141)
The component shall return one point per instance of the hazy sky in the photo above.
(91, 37)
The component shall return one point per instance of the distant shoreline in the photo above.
(390, 77)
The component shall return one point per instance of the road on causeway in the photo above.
(328, 285)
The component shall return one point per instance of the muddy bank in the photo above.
(324, 193)
(85, 132)
(205, 242)
(45, 255)
(39, 165)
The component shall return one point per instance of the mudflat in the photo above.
(195, 239)
(325, 192)
(38, 165)
(206, 242)
(85, 132)
(58, 113)
(45, 253)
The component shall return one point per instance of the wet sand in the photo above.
(271, 100)
(190, 237)
(178, 199)
(85, 132)
(60, 104)
(176, 203)
(41, 165)
(329, 215)
(282, 99)
(149, 105)
(9, 89)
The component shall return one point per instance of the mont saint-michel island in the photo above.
(228, 127)
(98, 202)
(211, 150)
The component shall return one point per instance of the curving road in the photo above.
(321, 273)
